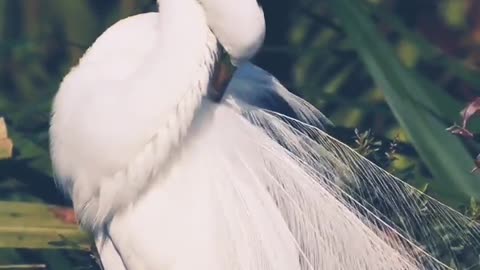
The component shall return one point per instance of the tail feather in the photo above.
(255, 189)
(426, 232)
(290, 211)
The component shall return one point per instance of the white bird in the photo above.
(165, 178)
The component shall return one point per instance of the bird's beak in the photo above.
(222, 75)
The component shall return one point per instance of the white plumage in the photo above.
(167, 179)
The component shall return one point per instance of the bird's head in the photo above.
(239, 27)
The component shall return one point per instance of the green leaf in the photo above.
(35, 226)
(416, 104)
(428, 51)
(38, 158)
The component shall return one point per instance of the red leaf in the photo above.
(472, 109)
(67, 215)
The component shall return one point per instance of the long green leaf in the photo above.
(35, 226)
(413, 104)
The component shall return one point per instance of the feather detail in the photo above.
(99, 193)
(126, 185)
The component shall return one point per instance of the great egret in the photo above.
(165, 178)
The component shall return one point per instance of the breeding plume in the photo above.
(171, 171)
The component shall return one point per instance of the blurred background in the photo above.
(392, 75)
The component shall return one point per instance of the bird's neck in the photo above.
(184, 54)
(165, 72)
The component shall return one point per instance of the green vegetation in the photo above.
(403, 69)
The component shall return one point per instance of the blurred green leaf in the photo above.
(408, 53)
(454, 12)
(428, 51)
(35, 226)
(37, 157)
(415, 105)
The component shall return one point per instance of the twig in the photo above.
(23, 266)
